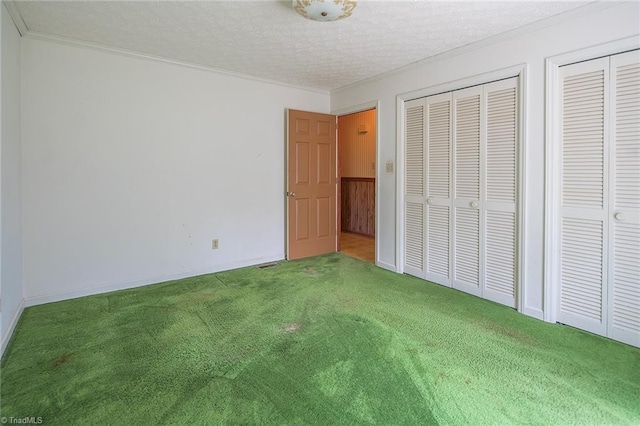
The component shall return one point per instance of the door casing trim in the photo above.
(366, 106)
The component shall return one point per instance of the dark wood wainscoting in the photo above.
(358, 205)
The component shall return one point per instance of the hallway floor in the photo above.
(358, 246)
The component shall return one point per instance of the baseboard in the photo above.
(388, 266)
(6, 338)
(57, 297)
(534, 312)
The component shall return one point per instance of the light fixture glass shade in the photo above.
(324, 10)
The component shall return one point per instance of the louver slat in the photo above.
(467, 246)
(438, 149)
(467, 147)
(414, 244)
(501, 145)
(626, 277)
(583, 140)
(627, 145)
(581, 271)
(438, 241)
(500, 253)
(414, 155)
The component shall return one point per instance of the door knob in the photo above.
(429, 200)
(291, 194)
(473, 204)
(619, 217)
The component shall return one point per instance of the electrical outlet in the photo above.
(214, 244)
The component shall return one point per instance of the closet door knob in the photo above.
(619, 217)
(429, 200)
(474, 204)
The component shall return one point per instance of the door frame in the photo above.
(366, 106)
(519, 71)
(553, 140)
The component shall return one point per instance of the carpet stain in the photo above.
(311, 271)
(507, 331)
(291, 328)
(62, 359)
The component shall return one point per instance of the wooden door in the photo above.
(311, 184)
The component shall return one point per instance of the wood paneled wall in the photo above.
(358, 205)
(357, 149)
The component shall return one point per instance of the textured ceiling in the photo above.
(267, 39)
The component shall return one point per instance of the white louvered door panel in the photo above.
(467, 130)
(624, 211)
(498, 192)
(438, 187)
(414, 240)
(584, 192)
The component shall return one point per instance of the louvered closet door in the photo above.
(460, 220)
(584, 175)
(498, 192)
(414, 240)
(624, 211)
(467, 128)
(438, 188)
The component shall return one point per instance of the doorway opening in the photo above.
(357, 184)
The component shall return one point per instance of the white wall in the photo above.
(586, 28)
(11, 240)
(131, 167)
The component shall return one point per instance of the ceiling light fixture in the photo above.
(325, 10)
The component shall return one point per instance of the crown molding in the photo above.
(498, 38)
(16, 17)
(147, 57)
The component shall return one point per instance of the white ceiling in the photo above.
(269, 40)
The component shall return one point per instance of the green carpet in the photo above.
(327, 340)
